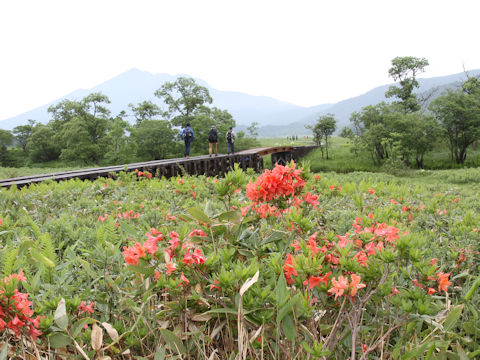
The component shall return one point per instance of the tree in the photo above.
(183, 97)
(87, 122)
(405, 69)
(374, 128)
(120, 147)
(253, 129)
(202, 121)
(6, 139)
(415, 134)
(155, 139)
(323, 129)
(22, 134)
(41, 145)
(458, 112)
(146, 110)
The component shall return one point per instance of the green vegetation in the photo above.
(85, 133)
(191, 266)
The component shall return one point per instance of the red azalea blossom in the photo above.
(311, 199)
(312, 245)
(295, 245)
(133, 254)
(155, 232)
(83, 307)
(289, 269)
(339, 286)
(280, 182)
(197, 232)
(183, 280)
(443, 282)
(415, 281)
(215, 285)
(315, 280)
(171, 267)
(355, 284)
(343, 240)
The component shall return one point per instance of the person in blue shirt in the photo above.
(187, 137)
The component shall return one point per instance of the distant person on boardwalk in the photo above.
(187, 136)
(213, 141)
(230, 141)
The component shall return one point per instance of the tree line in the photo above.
(409, 126)
(84, 132)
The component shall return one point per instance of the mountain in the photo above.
(428, 87)
(134, 86)
(276, 118)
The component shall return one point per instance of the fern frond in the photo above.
(47, 248)
(9, 257)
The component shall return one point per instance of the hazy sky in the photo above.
(304, 52)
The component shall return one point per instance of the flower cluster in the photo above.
(145, 174)
(177, 251)
(280, 182)
(15, 308)
(275, 191)
(316, 260)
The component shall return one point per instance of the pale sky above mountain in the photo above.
(307, 52)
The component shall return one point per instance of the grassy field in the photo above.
(180, 268)
(341, 160)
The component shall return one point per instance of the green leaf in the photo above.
(229, 216)
(281, 291)
(199, 215)
(287, 307)
(289, 328)
(37, 255)
(461, 353)
(453, 317)
(79, 325)
(275, 236)
(60, 317)
(59, 340)
(159, 354)
(3, 354)
(223, 311)
(173, 341)
(415, 353)
(472, 289)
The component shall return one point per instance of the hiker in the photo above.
(213, 141)
(230, 141)
(187, 136)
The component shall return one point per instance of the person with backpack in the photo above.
(187, 137)
(230, 141)
(213, 141)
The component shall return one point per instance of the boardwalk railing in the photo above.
(197, 165)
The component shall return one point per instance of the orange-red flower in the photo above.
(339, 286)
(171, 267)
(315, 280)
(183, 280)
(443, 282)
(355, 284)
(289, 269)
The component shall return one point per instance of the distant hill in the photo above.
(276, 118)
(343, 109)
(134, 86)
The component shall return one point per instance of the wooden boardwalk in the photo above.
(196, 165)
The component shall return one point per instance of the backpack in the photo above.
(213, 136)
(229, 136)
(188, 134)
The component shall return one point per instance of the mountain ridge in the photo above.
(275, 117)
